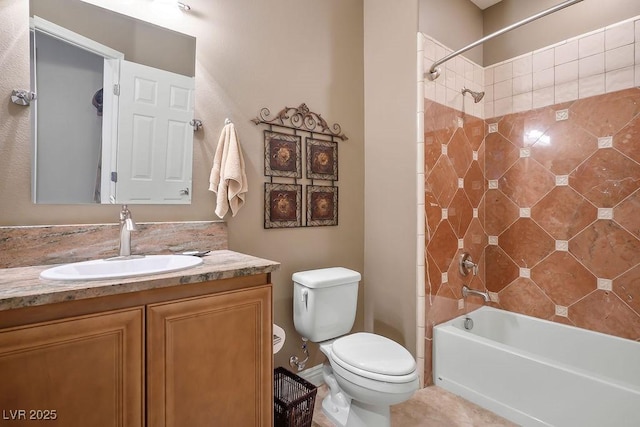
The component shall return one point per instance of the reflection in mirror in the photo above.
(111, 121)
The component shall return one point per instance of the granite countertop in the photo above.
(23, 287)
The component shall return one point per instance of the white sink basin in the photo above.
(121, 267)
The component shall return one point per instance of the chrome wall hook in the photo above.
(22, 97)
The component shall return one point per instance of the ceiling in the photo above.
(483, 4)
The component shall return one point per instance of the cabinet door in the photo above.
(82, 371)
(210, 361)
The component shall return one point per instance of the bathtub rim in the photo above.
(452, 328)
(522, 415)
(535, 319)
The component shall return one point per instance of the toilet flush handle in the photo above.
(305, 297)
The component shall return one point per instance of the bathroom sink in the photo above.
(118, 267)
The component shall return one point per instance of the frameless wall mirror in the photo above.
(111, 122)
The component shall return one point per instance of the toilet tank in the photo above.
(325, 302)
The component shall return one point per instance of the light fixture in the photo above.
(184, 6)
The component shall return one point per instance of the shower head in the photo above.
(477, 96)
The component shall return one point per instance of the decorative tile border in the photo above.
(562, 115)
(525, 212)
(605, 213)
(605, 142)
(605, 284)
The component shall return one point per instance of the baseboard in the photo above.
(313, 375)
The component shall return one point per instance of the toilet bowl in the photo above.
(366, 373)
(372, 373)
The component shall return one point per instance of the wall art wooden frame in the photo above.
(282, 205)
(322, 159)
(322, 205)
(282, 154)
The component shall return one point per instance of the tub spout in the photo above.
(466, 291)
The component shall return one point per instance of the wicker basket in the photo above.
(293, 399)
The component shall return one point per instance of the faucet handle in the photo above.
(126, 220)
(466, 264)
(130, 225)
(124, 213)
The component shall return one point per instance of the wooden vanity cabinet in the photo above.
(194, 355)
(210, 360)
(86, 370)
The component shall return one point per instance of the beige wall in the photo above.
(138, 40)
(457, 23)
(249, 55)
(577, 19)
(454, 23)
(390, 46)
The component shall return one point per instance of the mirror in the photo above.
(111, 122)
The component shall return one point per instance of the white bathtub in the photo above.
(539, 373)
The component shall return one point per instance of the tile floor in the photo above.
(430, 406)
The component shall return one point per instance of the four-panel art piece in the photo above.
(284, 161)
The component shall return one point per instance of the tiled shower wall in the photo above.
(562, 212)
(545, 198)
(455, 187)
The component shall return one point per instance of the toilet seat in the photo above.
(374, 357)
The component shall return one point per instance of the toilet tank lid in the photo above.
(326, 277)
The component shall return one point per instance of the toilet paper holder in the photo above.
(279, 337)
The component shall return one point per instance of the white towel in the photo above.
(228, 179)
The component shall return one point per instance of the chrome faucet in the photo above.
(466, 291)
(126, 227)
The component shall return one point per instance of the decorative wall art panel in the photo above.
(282, 155)
(322, 159)
(283, 205)
(322, 205)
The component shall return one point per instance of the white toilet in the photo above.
(366, 373)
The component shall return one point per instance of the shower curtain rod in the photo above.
(434, 71)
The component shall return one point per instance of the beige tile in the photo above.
(430, 406)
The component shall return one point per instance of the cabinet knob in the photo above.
(184, 192)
